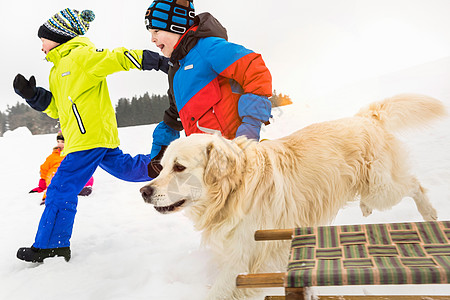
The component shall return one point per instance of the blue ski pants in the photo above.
(56, 224)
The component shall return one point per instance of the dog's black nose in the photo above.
(146, 192)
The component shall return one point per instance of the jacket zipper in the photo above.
(78, 117)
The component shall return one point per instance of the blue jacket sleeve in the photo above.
(153, 61)
(41, 100)
(253, 110)
(163, 135)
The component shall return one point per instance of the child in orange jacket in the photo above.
(49, 167)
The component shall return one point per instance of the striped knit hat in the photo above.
(170, 15)
(66, 24)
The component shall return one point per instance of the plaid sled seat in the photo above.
(373, 254)
(397, 253)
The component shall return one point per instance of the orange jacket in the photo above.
(51, 164)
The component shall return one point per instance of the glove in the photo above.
(154, 167)
(163, 135)
(250, 127)
(42, 186)
(86, 191)
(24, 88)
(254, 110)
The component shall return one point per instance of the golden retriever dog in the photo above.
(230, 188)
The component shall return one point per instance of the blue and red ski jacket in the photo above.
(214, 86)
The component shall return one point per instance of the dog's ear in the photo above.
(225, 158)
(225, 162)
(218, 163)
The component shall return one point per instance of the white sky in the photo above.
(310, 47)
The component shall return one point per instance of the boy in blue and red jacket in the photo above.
(214, 86)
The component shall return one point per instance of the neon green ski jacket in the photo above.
(80, 97)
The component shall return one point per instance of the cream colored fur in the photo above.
(232, 188)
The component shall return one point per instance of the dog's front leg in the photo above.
(232, 261)
(366, 210)
(224, 288)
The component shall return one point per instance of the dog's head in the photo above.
(198, 171)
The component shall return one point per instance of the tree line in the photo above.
(141, 110)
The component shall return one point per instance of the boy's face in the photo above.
(164, 40)
(60, 144)
(48, 45)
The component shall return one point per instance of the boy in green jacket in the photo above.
(79, 97)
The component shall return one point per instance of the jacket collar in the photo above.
(205, 25)
(64, 49)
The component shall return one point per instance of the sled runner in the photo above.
(370, 254)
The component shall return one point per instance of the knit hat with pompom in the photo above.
(66, 24)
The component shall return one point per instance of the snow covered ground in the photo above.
(123, 249)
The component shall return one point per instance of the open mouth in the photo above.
(170, 208)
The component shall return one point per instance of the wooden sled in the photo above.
(371, 254)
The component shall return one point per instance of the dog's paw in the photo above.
(366, 211)
(430, 215)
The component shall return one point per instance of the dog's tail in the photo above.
(404, 111)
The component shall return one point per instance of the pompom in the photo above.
(87, 15)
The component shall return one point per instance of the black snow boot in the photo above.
(86, 191)
(33, 254)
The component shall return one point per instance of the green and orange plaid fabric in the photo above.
(396, 253)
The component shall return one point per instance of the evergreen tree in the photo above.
(141, 110)
(123, 112)
(22, 115)
(3, 122)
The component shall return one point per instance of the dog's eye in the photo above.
(178, 168)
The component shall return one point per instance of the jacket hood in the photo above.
(205, 25)
(209, 26)
(64, 49)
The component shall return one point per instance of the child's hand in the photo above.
(250, 128)
(24, 88)
(42, 186)
(154, 167)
